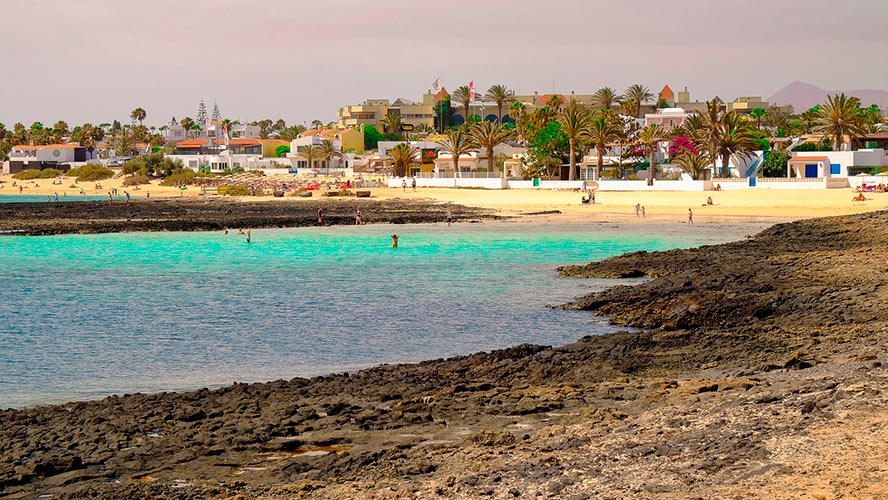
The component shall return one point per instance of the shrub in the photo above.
(91, 173)
(180, 177)
(234, 191)
(345, 192)
(136, 180)
(26, 175)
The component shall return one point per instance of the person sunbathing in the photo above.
(859, 197)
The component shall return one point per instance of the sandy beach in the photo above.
(743, 205)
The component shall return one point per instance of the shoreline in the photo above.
(710, 400)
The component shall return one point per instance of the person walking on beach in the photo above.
(449, 217)
(394, 241)
(413, 184)
(642, 212)
(690, 216)
(320, 216)
(110, 199)
(404, 185)
(127, 197)
(81, 191)
(637, 209)
(585, 185)
(593, 197)
(358, 218)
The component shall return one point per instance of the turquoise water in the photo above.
(85, 316)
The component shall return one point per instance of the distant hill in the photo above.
(804, 96)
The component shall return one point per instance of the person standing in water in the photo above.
(394, 241)
(248, 235)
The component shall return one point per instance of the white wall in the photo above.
(487, 183)
(859, 158)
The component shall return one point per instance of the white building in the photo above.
(57, 156)
(667, 118)
(825, 164)
(212, 130)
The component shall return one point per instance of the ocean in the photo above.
(86, 316)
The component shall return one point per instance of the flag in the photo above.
(436, 84)
(472, 90)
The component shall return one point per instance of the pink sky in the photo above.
(95, 60)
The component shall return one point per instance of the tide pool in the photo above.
(85, 316)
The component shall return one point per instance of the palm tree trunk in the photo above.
(651, 168)
(726, 160)
(490, 159)
(837, 146)
(499, 113)
(573, 159)
(600, 164)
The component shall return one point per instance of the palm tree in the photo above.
(693, 128)
(693, 164)
(124, 142)
(710, 131)
(840, 116)
(310, 154)
(758, 114)
(638, 94)
(501, 95)
(607, 97)
(328, 150)
(651, 136)
(317, 124)
(402, 157)
(603, 130)
(489, 135)
(188, 124)
(138, 115)
(463, 96)
(735, 138)
(457, 144)
(392, 123)
(574, 120)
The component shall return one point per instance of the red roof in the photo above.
(545, 98)
(441, 95)
(809, 158)
(191, 143)
(244, 142)
(667, 93)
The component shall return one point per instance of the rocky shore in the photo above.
(761, 373)
(215, 214)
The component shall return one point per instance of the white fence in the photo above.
(638, 185)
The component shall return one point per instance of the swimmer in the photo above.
(394, 241)
(240, 231)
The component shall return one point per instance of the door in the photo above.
(811, 171)
(835, 169)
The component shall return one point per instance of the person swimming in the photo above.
(394, 241)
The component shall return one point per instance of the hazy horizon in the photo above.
(96, 60)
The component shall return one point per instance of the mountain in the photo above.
(803, 96)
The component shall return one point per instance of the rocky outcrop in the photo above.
(216, 214)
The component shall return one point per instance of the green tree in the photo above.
(201, 114)
(457, 143)
(443, 113)
(309, 153)
(734, 139)
(574, 122)
(188, 124)
(502, 96)
(603, 129)
(328, 150)
(692, 163)
(638, 94)
(606, 97)
(651, 136)
(392, 123)
(489, 135)
(403, 156)
(758, 114)
(138, 115)
(840, 116)
(463, 95)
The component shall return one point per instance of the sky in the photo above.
(96, 60)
